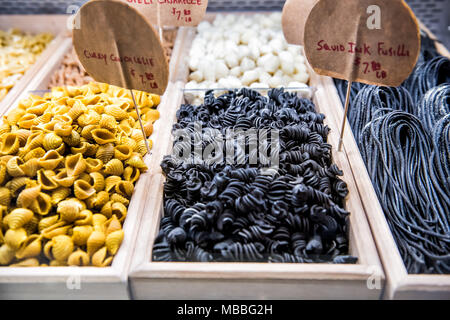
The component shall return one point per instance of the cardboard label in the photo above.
(117, 45)
(370, 41)
(176, 13)
(295, 13)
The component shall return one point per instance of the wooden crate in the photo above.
(400, 284)
(179, 280)
(95, 283)
(33, 24)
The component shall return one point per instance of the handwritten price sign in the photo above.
(176, 13)
(117, 45)
(378, 45)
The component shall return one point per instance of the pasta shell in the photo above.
(77, 110)
(27, 121)
(131, 174)
(86, 218)
(5, 196)
(148, 129)
(98, 181)
(56, 229)
(51, 160)
(32, 225)
(108, 122)
(105, 152)
(31, 167)
(136, 161)
(16, 185)
(119, 210)
(103, 136)
(19, 217)
(75, 165)
(30, 248)
(63, 179)
(113, 241)
(83, 190)
(125, 129)
(27, 197)
(99, 258)
(6, 254)
(13, 167)
(125, 188)
(78, 258)
(156, 99)
(9, 144)
(93, 165)
(89, 118)
(119, 198)
(59, 248)
(129, 142)
(35, 140)
(87, 131)
(112, 225)
(45, 118)
(34, 154)
(81, 235)
(52, 141)
(137, 135)
(4, 128)
(111, 182)
(29, 263)
(42, 204)
(82, 148)
(142, 147)
(46, 179)
(73, 140)
(152, 115)
(114, 167)
(95, 241)
(69, 210)
(91, 149)
(47, 222)
(14, 116)
(15, 237)
(2, 173)
(63, 129)
(107, 209)
(123, 152)
(60, 194)
(23, 136)
(116, 111)
(85, 177)
(64, 119)
(101, 199)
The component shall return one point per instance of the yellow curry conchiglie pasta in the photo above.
(68, 164)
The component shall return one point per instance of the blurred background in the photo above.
(435, 14)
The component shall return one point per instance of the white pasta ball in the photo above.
(287, 62)
(221, 69)
(244, 51)
(236, 71)
(203, 26)
(249, 77)
(275, 82)
(232, 60)
(196, 76)
(300, 68)
(247, 35)
(301, 77)
(266, 49)
(190, 95)
(269, 63)
(193, 62)
(234, 82)
(264, 77)
(247, 64)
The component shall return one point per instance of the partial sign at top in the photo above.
(295, 13)
(369, 41)
(117, 45)
(176, 13)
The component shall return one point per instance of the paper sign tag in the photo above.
(117, 45)
(295, 13)
(178, 13)
(370, 41)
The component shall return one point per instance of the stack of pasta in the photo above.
(68, 164)
(18, 51)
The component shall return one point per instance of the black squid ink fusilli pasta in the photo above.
(238, 211)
